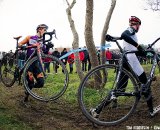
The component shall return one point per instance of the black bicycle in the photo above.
(55, 83)
(100, 90)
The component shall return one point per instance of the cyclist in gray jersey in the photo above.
(130, 43)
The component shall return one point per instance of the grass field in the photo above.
(64, 113)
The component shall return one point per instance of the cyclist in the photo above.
(130, 43)
(34, 70)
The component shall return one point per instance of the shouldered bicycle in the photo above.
(55, 84)
(99, 90)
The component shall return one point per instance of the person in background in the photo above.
(85, 59)
(108, 56)
(21, 59)
(71, 61)
(64, 60)
(47, 61)
(56, 54)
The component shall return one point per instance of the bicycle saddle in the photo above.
(17, 38)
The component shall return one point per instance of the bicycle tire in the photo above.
(90, 94)
(52, 89)
(7, 70)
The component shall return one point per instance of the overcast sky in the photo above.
(21, 17)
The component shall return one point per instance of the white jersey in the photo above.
(132, 58)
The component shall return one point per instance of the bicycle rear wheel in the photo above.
(98, 92)
(55, 84)
(7, 69)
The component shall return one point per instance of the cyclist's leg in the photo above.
(146, 92)
(40, 81)
(143, 78)
(37, 71)
(30, 80)
(123, 79)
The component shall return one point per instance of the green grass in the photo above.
(8, 120)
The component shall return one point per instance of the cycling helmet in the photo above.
(134, 19)
(42, 26)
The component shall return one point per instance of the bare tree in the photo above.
(105, 29)
(89, 33)
(75, 44)
(90, 43)
(154, 4)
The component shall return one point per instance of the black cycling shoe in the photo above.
(155, 111)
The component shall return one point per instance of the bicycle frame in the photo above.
(124, 56)
(37, 52)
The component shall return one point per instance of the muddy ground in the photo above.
(62, 115)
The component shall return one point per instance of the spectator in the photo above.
(71, 61)
(47, 61)
(56, 65)
(64, 60)
(21, 59)
(108, 56)
(85, 59)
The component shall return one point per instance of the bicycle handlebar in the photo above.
(110, 38)
(150, 45)
(50, 34)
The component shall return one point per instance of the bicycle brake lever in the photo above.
(55, 34)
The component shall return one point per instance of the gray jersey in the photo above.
(132, 58)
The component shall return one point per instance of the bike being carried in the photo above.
(109, 94)
(37, 82)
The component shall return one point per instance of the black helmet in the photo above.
(42, 26)
(134, 19)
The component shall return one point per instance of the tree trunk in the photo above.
(90, 43)
(75, 44)
(105, 29)
(89, 33)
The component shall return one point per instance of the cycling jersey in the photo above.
(30, 40)
(130, 44)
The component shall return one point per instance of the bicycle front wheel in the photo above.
(55, 83)
(7, 70)
(101, 101)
